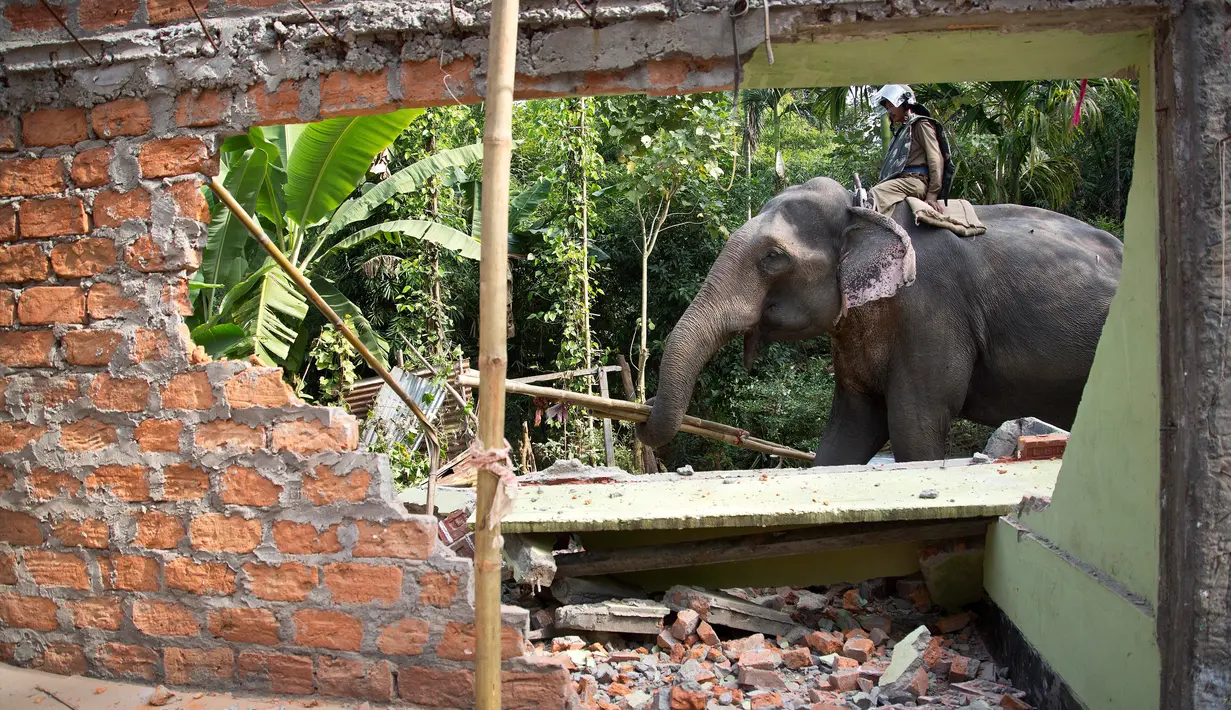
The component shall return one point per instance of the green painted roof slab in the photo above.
(776, 497)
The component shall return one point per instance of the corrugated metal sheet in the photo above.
(391, 420)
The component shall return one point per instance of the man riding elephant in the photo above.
(925, 325)
(917, 163)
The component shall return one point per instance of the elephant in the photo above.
(925, 325)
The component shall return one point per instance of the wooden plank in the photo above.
(750, 547)
(608, 443)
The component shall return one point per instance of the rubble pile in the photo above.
(877, 644)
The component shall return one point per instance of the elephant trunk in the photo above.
(705, 327)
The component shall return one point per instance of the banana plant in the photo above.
(300, 182)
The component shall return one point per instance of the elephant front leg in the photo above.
(857, 429)
(920, 410)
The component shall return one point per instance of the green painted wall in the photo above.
(1100, 643)
(1105, 507)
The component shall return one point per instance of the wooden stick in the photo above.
(761, 546)
(493, 342)
(636, 412)
(301, 282)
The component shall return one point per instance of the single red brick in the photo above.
(8, 308)
(304, 539)
(434, 85)
(112, 207)
(31, 176)
(275, 107)
(223, 433)
(22, 263)
(438, 687)
(84, 257)
(287, 582)
(101, 14)
(176, 156)
(183, 481)
(458, 642)
(341, 678)
(50, 305)
(953, 622)
(962, 669)
(245, 625)
(151, 345)
(406, 637)
(104, 613)
(324, 487)
(410, 539)
(106, 301)
(129, 661)
(34, 17)
(19, 528)
(91, 348)
(436, 589)
(28, 612)
(119, 395)
(308, 438)
(53, 217)
(90, 168)
(63, 659)
(129, 573)
(244, 486)
(8, 223)
(199, 666)
(158, 435)
(176, 295)
(259, 387)
(327, 629)
(189, 202)
(83, 533)
(544, 690)
(225, 533)
(277, 673)
(55, 393)
(190, 390)
(158, 530)
(202, 108)
(200, 577)
(353, 583)
(124, 482)
(919, 682)
(345, 93)
(45, 484)
(8, 568)
(682, 698)
(797, 658)
(57, 569)
(163, 619)
(859, 649)
(87, 435)
(162, 12)
(14, 436)
(125, 117)
(51, 127)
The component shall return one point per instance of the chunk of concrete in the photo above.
(591, 590)
(954, 578)
(726, 610)
(907, 657)
(630, 616)
(531, 559)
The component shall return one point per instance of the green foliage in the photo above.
(334, 359)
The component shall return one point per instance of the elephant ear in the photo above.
(878, 259)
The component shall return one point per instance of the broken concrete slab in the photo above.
(954, 578)
(907, 656)
(726, 610)
(592, 590)
(629, 616)
(531, 559)
(1003, 441)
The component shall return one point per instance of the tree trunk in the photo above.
(438, 308)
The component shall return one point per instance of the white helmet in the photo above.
(896, 94)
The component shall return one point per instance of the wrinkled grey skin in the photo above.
(993, 328)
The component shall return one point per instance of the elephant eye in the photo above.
(775, 260)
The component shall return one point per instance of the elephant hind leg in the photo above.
(857, 429)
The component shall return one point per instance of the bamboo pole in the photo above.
(493, 333)
(301, 282)
(637, 412)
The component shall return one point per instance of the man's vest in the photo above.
(899, 152)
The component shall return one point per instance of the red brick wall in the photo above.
(168, 519)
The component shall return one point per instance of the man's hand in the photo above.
(934, 204)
